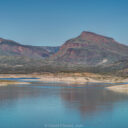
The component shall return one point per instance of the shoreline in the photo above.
(9, 82)
(70, 78)
(116, 84)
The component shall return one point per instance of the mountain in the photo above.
(89, 52)
(18, 58)
(91, 49)
(12, 48)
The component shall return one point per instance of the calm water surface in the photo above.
(33, 106)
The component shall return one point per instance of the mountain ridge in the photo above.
(90, 48)
(88, 52)
(14, 48)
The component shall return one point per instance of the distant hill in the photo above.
(91, 49)
(12, 48)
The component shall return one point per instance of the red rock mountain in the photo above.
(9, 47)
(91, 49)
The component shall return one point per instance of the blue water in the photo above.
(33, 106)
(22, 79)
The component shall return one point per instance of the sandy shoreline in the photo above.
(6, 83)
(70, 78)
(81, 79)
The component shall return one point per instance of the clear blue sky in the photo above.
(52, 22)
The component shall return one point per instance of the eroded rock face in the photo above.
(91, 49)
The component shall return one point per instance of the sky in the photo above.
(52, 22)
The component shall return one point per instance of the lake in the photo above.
(36, 106)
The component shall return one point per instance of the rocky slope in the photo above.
(91, 49)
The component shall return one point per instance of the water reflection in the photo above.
(91, 100)
(85, 100)
(8, 94)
